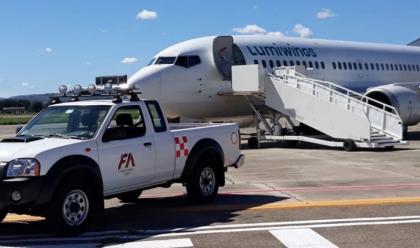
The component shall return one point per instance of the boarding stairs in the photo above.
(348, 118)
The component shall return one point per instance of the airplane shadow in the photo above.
(153, 213)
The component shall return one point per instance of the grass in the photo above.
(14, 119)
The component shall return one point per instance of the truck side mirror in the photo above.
(18, 128)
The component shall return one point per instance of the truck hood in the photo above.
(13, 150)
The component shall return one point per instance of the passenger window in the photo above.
(310, 64)
(127, 122)
(417, 67)
(360, 66)
(292, 63)
(344, 65)
(382, 67)
(284, 63)
(298, 63)
(304, 63)
(377, 66)
(391, 66)
(405, 67)
(334, 66)
(316, 65)
(322, 65)
(264, 63)
(255, 62)
(366, 66)
(409, 67)
(387, 67)
(372, 67)
(350, 67)
(158, 119)
(271, 63)
(401, 67)
(339, 65)
(278, 63)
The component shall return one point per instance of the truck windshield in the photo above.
(77, 122)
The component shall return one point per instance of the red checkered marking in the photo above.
(181, 146)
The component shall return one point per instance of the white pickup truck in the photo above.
(73, 155)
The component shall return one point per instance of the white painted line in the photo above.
(215, 227)
(141, 234)
(302, 238)
(171, 243)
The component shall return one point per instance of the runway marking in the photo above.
(340, 203)
(95, 237)
(171, 243)
(302, 189)
(302, 238)
(16, 217)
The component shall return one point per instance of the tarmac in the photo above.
(328, 197)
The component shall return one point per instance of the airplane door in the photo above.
(223, 56)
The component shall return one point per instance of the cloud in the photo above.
(302, 31)
(24, 84)
(253, 29)
(129, 60)
(325, 14)
(250, 29)
(48, 50)
(146, 15)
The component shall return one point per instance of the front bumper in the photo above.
(29, 189)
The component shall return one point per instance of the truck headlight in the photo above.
(23, 167)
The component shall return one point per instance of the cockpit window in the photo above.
(152, 61)
(165, 60)
(188, 61)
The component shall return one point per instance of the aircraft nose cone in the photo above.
(149, 83)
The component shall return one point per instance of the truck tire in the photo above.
(131, 197)
(203, 185)
(71, 208)
(349, 145)
(3, 214)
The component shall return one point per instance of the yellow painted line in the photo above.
(302, 204)
(251, 206)
(340, 203)
(16, 217)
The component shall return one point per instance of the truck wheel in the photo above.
(72, 208)
(203, 184)
(3, 214)
(132, 196)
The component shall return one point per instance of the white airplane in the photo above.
(187, 77)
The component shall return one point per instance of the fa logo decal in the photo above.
(126, 161)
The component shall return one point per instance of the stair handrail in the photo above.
(285, 71)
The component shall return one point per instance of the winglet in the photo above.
(414, 43)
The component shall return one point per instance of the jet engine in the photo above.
(404, 97)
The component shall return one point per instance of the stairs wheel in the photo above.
(253, 143)
(349, 145)
(388, 148)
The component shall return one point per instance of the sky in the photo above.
(47, 43)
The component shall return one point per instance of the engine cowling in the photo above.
(404, 97)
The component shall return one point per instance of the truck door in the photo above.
(126, 151)
(165, 159)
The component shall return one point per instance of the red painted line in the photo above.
(307, 189)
